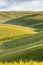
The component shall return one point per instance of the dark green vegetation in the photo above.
(34, 20)
(26, 47)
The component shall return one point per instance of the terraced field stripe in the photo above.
(31, 47)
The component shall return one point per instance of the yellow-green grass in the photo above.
(7, 30)
(19, 37)
(27, 19)
(5, 16)
(25, 48)
(22, 63)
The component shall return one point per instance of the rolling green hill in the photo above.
(21, 36)
(5, 16)
(9, 32)
(25, 48)
(33, 20)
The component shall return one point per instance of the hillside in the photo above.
(21, 36)
(34, 20)
(23, 48)
(5, 16)
(8, 31)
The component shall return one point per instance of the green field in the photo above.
(21, 36)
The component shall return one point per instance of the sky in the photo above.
(18, 5)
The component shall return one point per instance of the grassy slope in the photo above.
(25, 46)
(5, 16)
(8, 31)
(33, 20)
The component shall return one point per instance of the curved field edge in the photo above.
(8, 31)
(34, 20)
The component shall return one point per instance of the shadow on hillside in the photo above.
(28, 21)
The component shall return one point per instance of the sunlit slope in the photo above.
(25, 48)
(8, 31)
(27, 19)
(9, 15)
(33, 20)
(5, 16)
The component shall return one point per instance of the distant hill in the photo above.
(32, 19)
